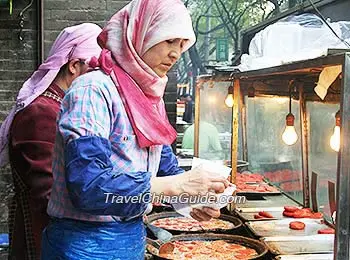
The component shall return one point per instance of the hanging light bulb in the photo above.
(335, 138)
(289, 135)
(229, 101)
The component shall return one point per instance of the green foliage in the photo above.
(226, 19)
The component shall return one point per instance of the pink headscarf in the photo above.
(75, 42)
(128, 35)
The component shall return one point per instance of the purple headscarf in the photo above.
(75, 42)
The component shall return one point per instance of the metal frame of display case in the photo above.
(275, 81)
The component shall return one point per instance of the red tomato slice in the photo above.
(288, 214)
(256, 216)
(265, 214)
(326, 231)
(184, 249)
(302, 213)
(246, 252)
(233, 247)
(317, 215)
(297, 225)
(290, 208)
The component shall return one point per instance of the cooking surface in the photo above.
(306, 257)
(273, 228)
(300, 245)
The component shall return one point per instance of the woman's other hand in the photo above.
(196, 182)
(205, 214)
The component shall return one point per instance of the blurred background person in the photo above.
(28, 135)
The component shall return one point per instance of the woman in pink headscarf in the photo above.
(28, 135)
(112, 149)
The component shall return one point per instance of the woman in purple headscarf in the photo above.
(27, 135)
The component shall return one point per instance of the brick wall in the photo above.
(19, 59)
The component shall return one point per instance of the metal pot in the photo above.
(248, 242)
(235, 221)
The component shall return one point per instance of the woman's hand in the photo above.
(196, 182)
(205, 214)
(193, 182)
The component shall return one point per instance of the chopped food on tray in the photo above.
(249, 177)
(294, 212)
(257, 216)
(265, 214)
(253, 182)
(297, 225)
(326, 231)
(187, 224)
(213, 250)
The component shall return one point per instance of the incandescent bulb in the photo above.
(335, 139)
(289, 135)
(229, 100)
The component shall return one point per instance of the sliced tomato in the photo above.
(234, 247)
(326, 231)
(205, 250)
(290, 208)
(265, 214)
(257, 216)
(317, 215)
(184, 249)
(288, 214)
(297, 225)
(302, 213)
(221, 250)
(246, 252)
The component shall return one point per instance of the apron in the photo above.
(68, 239)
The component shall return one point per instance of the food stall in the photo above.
(298, 144)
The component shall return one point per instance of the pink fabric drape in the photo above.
(128, 35)
(75, 42)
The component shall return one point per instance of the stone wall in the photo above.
(18, 59)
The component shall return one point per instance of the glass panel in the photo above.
(322, 159)
(215, 123)
(267, 153)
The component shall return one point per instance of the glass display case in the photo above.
(287, 133)
(214, 121)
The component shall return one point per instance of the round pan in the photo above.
(248, 242)
(235, 221)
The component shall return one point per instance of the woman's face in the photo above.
(162, 56)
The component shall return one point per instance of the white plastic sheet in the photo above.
(292, 39)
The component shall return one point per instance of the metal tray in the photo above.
(306, 257)
(274, 228)
(248, 215)
(295, 245)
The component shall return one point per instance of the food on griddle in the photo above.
(317, 215)
(213, 250)
(294, 212)
(288, 214)
(265, 214)
(297, 225)
(257, 216)
(188, 224)
(290, 208)
(326, 231)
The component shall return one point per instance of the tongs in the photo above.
(161, 234)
